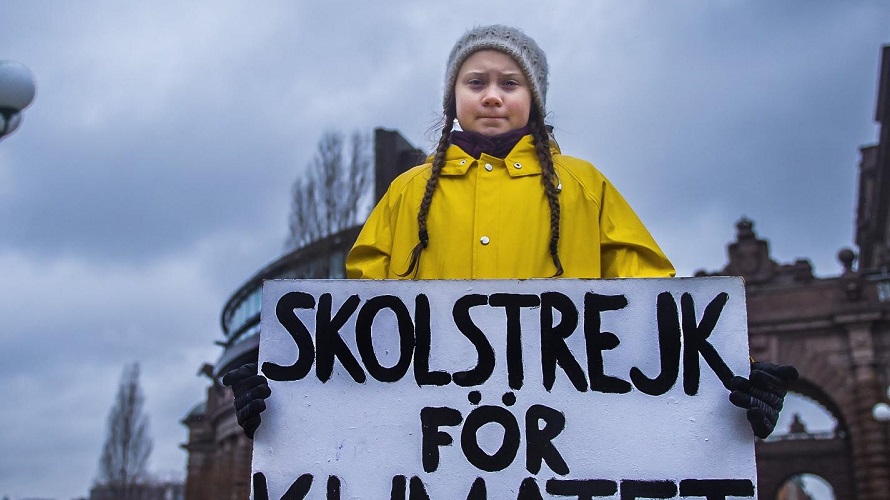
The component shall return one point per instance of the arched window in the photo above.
(805, 487)
(804, 417)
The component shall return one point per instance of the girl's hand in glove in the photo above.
(763, 394)
(251, 390)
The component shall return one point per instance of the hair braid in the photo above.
(548, 172)
(431, 183)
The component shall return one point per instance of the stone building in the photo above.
(148, 490)
(835, 330)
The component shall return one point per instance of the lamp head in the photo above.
(17, 87)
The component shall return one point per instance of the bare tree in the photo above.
(334, 191)
(122, 467)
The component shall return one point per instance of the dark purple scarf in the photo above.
(498, 146)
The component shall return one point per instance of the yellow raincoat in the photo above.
(489, 219)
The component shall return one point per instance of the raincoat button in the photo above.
(488, 167)
(517, 165)
(484, 240)
(463, 162)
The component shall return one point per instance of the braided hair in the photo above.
(438, 162)
(552, 187)
(549, 179)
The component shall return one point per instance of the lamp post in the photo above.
(16, 93)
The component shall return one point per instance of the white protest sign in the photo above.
(503, 389)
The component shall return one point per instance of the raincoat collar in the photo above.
(458, 161)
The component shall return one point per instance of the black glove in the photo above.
(762, 395)
(251, 390)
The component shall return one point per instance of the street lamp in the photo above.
(881, 411)
(16, 93)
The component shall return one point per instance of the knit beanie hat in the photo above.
(511, 41)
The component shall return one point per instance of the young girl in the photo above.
(499, 200)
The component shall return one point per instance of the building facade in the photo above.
(836, 331)
(148, 490)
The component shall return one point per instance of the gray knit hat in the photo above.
(511, 41)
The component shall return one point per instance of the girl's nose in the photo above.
(491, 99)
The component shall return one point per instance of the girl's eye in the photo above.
(475, 82)
(511, 83)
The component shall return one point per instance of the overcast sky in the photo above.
(150, 177)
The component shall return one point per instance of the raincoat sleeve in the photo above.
(370, 256)
(627, 248)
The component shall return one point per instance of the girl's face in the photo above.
(491, 94)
